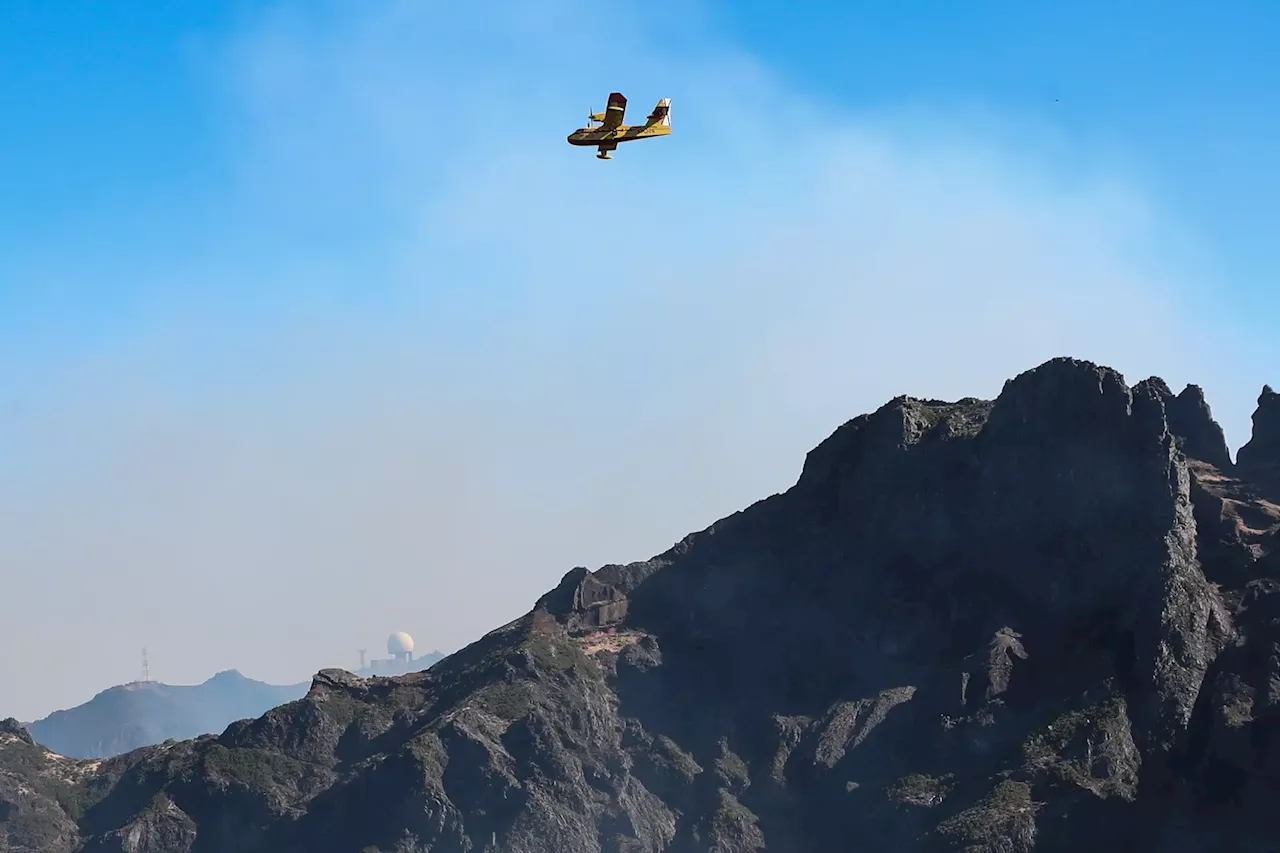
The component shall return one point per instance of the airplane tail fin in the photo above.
(661, 113)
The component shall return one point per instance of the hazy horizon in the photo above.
(159, 677)
(313, 327)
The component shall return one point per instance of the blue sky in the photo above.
(312, 327)
(1174, 92)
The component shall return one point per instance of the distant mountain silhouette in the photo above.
(145, 713)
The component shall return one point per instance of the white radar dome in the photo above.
(399, 643)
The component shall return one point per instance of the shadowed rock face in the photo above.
(1260, 458)
(1191, 420)
(1039, 623)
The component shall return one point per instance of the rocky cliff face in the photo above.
(1037, 623)
(1260, 458)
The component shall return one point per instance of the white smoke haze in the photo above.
(429, 356)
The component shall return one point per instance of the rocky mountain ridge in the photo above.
(1039, 623)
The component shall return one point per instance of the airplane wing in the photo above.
(615, 111)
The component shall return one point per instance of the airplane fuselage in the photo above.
(595, 136)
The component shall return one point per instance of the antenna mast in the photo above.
(146, 667)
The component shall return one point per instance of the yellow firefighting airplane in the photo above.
(606, 135)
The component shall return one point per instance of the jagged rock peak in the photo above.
(10, 726)
(1068, 396)
(336, 680)
(1063, 397)
(587, 601)
(1191, 420)
(1260, 458)
(560, 601)
(900, 424)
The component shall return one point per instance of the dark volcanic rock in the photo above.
(1260, 458)
(1046, 622)
(585, 601)
(1191, 419)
